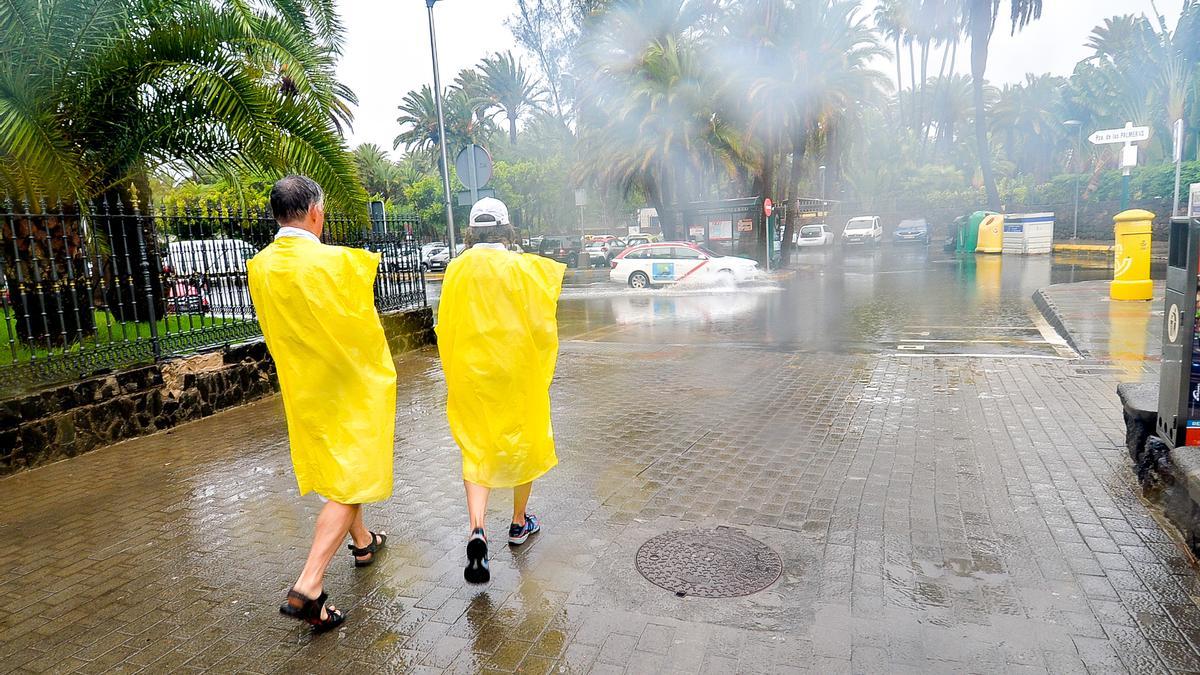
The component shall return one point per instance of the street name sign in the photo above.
(1128, 134)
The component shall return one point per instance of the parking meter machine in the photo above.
(1179, 377)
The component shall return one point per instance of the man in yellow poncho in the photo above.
(498, 339)
(316, 306)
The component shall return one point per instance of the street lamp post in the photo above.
(437, 97)
(821, 180)
(1078, 146)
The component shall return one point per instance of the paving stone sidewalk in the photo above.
(933, 514)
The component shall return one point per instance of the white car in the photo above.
(672, 262)
(862, 230)
(813, 235)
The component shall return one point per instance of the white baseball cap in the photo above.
(489, 212)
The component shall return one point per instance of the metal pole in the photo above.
(437, 97)
(474, 176)
(1178, 147)
(1078, 151)
(1125, 188)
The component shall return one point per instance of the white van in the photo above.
(209, 257)
(862, 230)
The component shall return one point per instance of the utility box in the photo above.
(1179, 376)
(1028, 233)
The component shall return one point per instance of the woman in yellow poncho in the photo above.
(498, 339)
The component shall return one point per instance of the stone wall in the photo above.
(75, 418)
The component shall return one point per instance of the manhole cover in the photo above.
(720, 563)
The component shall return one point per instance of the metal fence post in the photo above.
(155, 346)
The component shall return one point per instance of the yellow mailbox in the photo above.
(991, 234)
(1131, 256)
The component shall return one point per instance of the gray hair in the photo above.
(292, 196)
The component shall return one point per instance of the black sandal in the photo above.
(378, 541)
(309, 611)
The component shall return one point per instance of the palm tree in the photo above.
(1028, 120)
(653, 129)
(509, 88)
(378, 172)
(890, 21)
(418, 121)
(829, 80)
(95, 95)
(979, 17)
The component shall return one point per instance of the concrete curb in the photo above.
(1051, 313)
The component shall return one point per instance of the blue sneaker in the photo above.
(477, 571)
(517, 534)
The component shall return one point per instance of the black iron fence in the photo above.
(85, 291)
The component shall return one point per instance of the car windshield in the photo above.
(810, 231)
(858, 225)
(912, 225)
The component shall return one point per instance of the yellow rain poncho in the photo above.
(498, 338)
(316, 306)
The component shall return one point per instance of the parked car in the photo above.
(437, 259)
(428, 248)
(601, 252)
(813, 235)
(186, 296)
(564, 249)
(642, 238)
(912, 230)
(209, 257)
(671, 262)
(862, 230)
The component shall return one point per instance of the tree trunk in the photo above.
(912, 77)
(927, 122)
(666, 217)
(920, 126)
(512, 128)
(799, 143)
(899, 77)
(769, 172)
(134, 269)
(46, 274)
(981, 33)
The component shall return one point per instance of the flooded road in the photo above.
(893, 298)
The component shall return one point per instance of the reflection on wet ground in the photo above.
(891, 299)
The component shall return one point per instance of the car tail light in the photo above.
(613, 263)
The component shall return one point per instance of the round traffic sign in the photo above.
(768, 206)
(474, 166)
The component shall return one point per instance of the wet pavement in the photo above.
(945, 486)
(1127, 334)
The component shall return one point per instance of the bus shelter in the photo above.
(726, 226)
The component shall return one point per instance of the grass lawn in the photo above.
(108, 331)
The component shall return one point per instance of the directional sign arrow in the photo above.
(1128, 134)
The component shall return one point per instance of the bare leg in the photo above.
(332, 525)
(520, 501)
(361, 536)
(359, 532)
(477, 498)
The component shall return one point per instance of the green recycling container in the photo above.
(968, 238)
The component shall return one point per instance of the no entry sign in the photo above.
(768, 207)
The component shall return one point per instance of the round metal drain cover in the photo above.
(720, 563)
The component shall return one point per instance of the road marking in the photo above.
(917, 348)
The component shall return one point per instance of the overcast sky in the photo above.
(387, 47)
